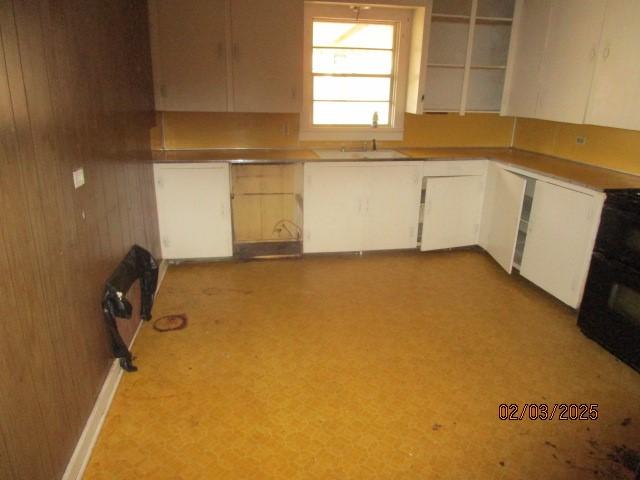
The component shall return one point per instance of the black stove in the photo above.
(610, 309)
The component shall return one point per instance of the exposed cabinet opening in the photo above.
(423, 197)
(467, 55)
(267, 210)
(524, 220)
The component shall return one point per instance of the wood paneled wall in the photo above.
(75, 91)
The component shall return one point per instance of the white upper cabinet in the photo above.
(189, 54)
(452, 212)
(576, 61)
(227, 55)
(528, 49)
(615, 95)
(554, 51)
(502, 210)
(267, 55)
(569, 59)
(559, 241)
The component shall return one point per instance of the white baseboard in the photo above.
(80, 458)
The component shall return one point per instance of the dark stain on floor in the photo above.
(614, 462)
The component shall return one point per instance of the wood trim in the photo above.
(82, 453)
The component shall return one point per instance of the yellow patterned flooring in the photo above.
(388, 366)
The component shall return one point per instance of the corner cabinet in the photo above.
(227, 55)
(358, 206)
(543, 227)
(575, 61)
(194, 210)
(615, 94)
(559, 242)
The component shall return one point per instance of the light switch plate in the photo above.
(78, 177)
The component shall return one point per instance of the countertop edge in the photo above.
(569, 171)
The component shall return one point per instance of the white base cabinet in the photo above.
(553, 234)
(501, 215)
(544, 227)
(559, 241)
(332, 211)
(194, 210)
(358, 206)
(452, 212)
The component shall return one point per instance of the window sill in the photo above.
(347, 133)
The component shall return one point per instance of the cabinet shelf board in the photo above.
(442, 110)
(447, 17)
(494, 20)
(445, 65)
(489, 67)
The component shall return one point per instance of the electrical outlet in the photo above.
(580, 140)
(78, 177)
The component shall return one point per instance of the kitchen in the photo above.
(442, 192)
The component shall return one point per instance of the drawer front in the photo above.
(448, 168)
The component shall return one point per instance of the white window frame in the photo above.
(402, 19)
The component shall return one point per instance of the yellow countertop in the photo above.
(579, 173)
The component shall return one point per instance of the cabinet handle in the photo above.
(606, 52)
(592, 54)
(293, 93)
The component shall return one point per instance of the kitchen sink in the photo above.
(329, 154)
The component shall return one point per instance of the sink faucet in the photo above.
(374, 124)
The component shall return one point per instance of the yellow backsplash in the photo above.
(606, 147)
(184, 130)
(613, 148)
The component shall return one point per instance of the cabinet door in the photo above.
(529, 38)
(333, 208)
(194, 211)
(559, 241)
(392, 205)
(569, 59)
(615, 94)
(501, 211)
(189, 59)
(452, 211)
(267, 55)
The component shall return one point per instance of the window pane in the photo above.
(330, 60)
(351, 88)
(359, 35)
(349, 113)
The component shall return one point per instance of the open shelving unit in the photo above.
(467, 55)
(524, 221)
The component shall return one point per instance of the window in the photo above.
(355, 72)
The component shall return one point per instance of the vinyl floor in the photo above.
(385, 366)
